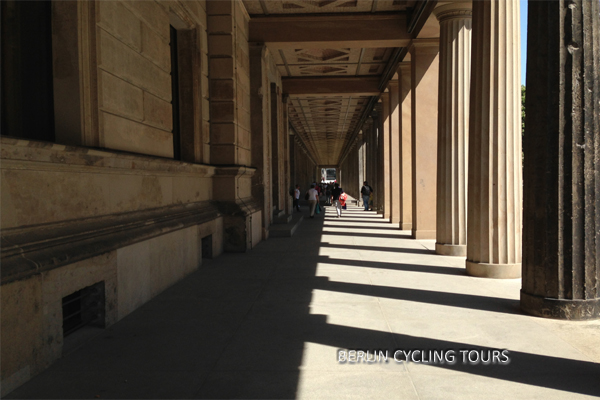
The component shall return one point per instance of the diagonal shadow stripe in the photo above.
(378, 248)
(532, 369)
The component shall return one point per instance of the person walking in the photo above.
(297, 198)
(313, 197)
(336, 199)
(366, 191)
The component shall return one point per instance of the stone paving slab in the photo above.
(271, 324)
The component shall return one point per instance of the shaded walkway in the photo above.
(269, 323)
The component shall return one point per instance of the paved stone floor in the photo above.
(270, 323)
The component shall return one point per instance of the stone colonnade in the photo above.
(449, 167)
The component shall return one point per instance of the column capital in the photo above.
(424, 43)
(454, 10)
(393, 84)
(404, 66)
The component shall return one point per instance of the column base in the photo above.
(417, 234)
(455, 250)
(405, 226)
(496, 271)
(560, 308)
(395, 220)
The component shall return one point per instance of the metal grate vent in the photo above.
(84, 307)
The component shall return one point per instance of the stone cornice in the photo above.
(233, 171)
(31, 250)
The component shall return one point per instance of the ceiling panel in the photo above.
(325, 122)
(267, 7)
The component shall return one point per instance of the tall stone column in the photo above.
(385, 153)
(405, 146)
(261, 157)
(394, 152)
(378, 198)
(287, 181)
(453, 128)
(561, 244)
(494, 187)
(424, 79)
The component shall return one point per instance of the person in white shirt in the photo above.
(297, 198)
(313, 197)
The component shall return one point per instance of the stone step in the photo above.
(278, 213)
(284, 219)
(286, 230)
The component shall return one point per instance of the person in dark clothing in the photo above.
(328, 194)
(366, 191)
(337, 190)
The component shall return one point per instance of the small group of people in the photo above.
(335, 196)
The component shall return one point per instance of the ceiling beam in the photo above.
(355, 86)
(319, 31)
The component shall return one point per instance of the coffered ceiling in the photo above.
(323, 51)
(267, 7)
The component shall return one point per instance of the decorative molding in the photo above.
(35, 249)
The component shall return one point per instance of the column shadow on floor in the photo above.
(379, 248)
(387, 227)
(240, 325)
(371, 235)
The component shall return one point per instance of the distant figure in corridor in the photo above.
(366, 191)
(337, 191)
(297, 198)
(313, 197)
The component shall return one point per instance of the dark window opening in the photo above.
(207, 247)
(85, 307)
(27, 80)
(175, 95)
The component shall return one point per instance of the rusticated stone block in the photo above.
(120, 97)
(222, 111)
(220, 45)
(123, 134)
(221, 68)
(129, 65)
(152, 14)
(224, 154)
(220, 24)
(224, 7)
(156, 48)
(223, 133)
(120, 22)
(222, 89)
(158, 112)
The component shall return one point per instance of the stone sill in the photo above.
(28, 251)
(21, 153)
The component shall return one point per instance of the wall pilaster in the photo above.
(394, 151)
(405, 146)
(424, 79)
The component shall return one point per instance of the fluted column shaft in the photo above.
(561, 242)
(453, 128)
(494, 181)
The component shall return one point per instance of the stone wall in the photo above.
(122, 211)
